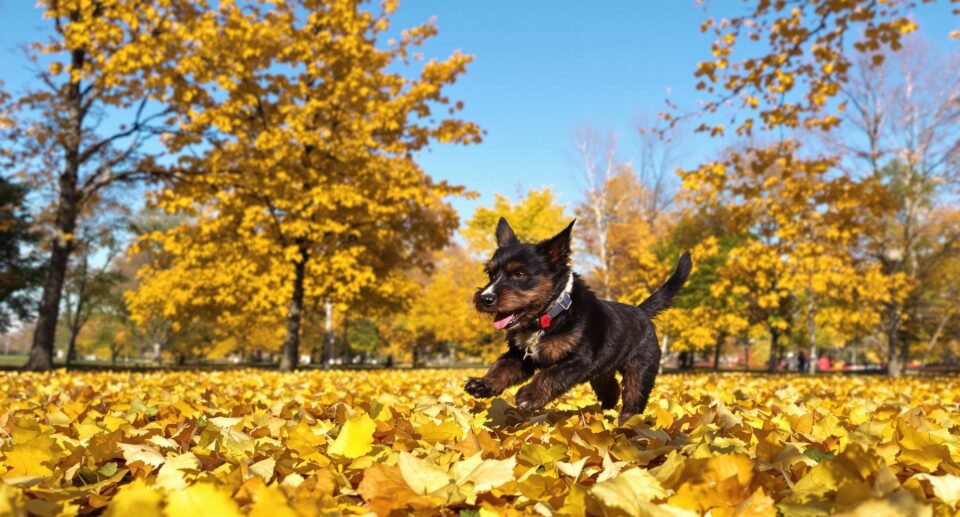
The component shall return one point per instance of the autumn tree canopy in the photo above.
(99, 59)
(304, 182)
(785, 71)
(283, 141)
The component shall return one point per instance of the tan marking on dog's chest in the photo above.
(547, 348)
(555, 347)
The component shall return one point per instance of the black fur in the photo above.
(589, 342)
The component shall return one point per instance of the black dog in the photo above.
(556, 324)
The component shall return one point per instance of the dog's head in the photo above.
(524, 277)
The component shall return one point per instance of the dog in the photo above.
(555, 324)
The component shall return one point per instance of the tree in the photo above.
(940, 314)
(806, 58)
(158, 333)
(801, 220)
(305, 133)
(701, 317)
(19, 264)
(534, 217)
(88, 285)
(444, 311)
(659, 147)
(363, 337)
(603, 201)
(103, 62)
(792, 82)
(902, 130)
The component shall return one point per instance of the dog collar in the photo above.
(559, 305)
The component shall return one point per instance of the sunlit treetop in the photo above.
(808, 50)
(535, 217)
(297, 135)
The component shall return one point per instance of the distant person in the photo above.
(389, 361)
(823, 364)
(801, 362)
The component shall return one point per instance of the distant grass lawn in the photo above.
(20, 360)
(13, 360)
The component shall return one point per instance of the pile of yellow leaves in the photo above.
(401, 441)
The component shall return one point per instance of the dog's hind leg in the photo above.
(638, 379)
(607, 391)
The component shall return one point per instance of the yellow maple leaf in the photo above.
(625, 493)
(270, 501)
(422, 475)
(12, 502)
(135, 499)
(481, 475)
(201, 499)
(945, 487)
(171, 475)
(142, 453)
(355, 438)
(32, 458)
(384, 490)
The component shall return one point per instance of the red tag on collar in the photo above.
(545, 321)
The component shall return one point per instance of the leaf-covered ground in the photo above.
(398, 442)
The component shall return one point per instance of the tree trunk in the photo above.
(68, 208)
(291, 345)
(72, 346)
(812, 338)
(933, 340)
(416, 355)
(774, 349)
(904, 355)
(716, 351)
(346, 351)
(41, 351)
(76, 323)
(894, 368)
(328, 336)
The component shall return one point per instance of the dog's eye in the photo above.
(519, 275)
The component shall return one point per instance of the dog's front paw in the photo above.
(530, 399)
(624, 418)
(480, 388)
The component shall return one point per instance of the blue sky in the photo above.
(540, 70)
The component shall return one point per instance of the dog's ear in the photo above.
(557, 248)
(505, 233)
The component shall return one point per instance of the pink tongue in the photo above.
(500, 324)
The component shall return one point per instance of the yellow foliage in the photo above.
(307, 182)
(800, 219)
(355, 438)
(443, 311)
(535, 217)
(805, 61)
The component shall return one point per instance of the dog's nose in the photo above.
(488, 299)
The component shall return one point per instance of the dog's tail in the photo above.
(661, 298)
